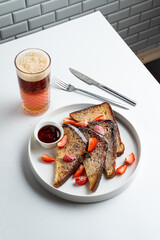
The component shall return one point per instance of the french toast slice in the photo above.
(93, 112)
(94, 160)
(76, 145)
(109, 134)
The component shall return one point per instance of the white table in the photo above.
(27, 210)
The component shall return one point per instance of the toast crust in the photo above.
(76, 145)
(93, 112)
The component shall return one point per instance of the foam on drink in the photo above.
(33, 66)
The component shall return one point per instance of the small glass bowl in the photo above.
(46, 123)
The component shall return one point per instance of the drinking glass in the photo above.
(33, 71)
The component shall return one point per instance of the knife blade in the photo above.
(91, 81)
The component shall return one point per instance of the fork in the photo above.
(69, 88)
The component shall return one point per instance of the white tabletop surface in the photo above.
(28, 211)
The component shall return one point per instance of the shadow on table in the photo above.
(31, 180)
(11, 111)
(14, 111)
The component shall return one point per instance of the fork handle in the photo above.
(102, 98)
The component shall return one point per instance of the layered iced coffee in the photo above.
(33, 71)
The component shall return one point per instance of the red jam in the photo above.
(49, 134)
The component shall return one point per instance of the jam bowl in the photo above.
(48, 133)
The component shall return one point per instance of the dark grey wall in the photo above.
(137, 21)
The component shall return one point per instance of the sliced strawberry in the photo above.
(92, 144)
(121, 169)
(130, 159)
(47, 158)
(69, 157)
(81, 124)
(81, 180)
(62, 142)
(68, 121)
(99, 129)
(100, 118)
(79, 171)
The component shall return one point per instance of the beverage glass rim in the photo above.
(32, 49)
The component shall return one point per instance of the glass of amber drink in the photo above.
(33, 71)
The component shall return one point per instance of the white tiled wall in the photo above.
(137, 21)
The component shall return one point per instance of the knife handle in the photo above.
(102, 98)
(114, 93)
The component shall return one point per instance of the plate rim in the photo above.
(84, 198)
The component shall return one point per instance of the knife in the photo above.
(90, 81)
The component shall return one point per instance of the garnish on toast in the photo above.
(94, 112)
(109, 134)
(95, 159)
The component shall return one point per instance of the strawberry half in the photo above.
(79, 171)
(92, 144)
(68, 121)
(46, 158)
(81, 124)
(62, 142)
(121, 169)
(99, 129)
(69, 157)
(100, 118)
(130, 159)
(81, 180)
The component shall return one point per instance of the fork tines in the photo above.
(59, 83)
